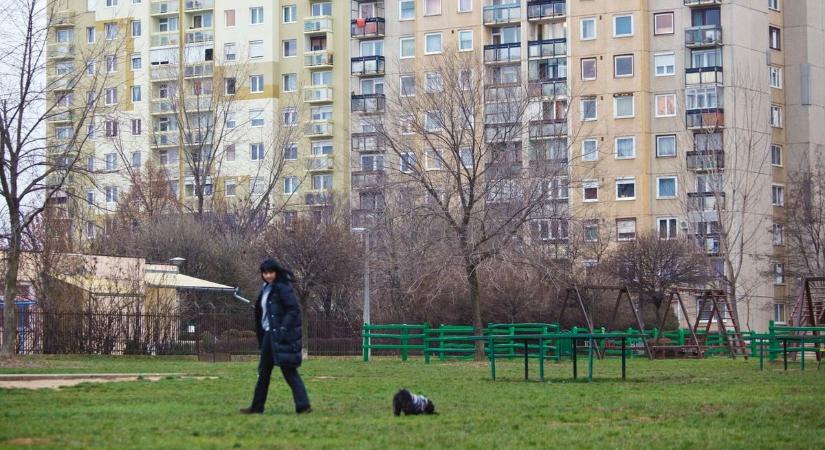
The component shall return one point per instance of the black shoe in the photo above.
(306, 410)
(250, 411)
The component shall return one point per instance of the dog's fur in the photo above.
(403, 402)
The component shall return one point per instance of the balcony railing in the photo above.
(368, 179)
(499, 14)
(318, 128)
(368, 142)
(321, 164)
(165, 138)
(705, 118)
(706, 201)
(703, 75)
(163, 71)
(367, 65)
(197, 37)
(368, 27)
(162, 106)
(203, 69)
(194, 5)
(317, 198)
(710, 243)
(58, 51)
(365, 218)
(61, 82)
(317, 25)
(318, 58)
(705, 160)
(368, 103)
(546, 9)
(162, 39)
(703, 36)
(170, 7)
(318, 94)
(552, 89)
(63, 19)
(548, 128)
(502, 53)
(702, 2)
(547, 48)
(64, 116)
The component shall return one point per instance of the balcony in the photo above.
(502, 53)
(61, 51)
(703, 36)
(196, 5)
(321, 164)
(318, 25)
(541, 10)
(367, 66)
(710, 118)
(370, 27)
(164, 39)
(502, 14)
(548, 89)
(368, 179)
(710, 243)
(61, 82)
(502, 132)
(368, 142)
(365, 218)
(161, 8)
(318, 59)
(317, 94)
(198, 70)
(703, 161)
(165, 138)
(504, 169)
(158, 72)
(318, 128)
(162, 106)
(706, 201)
(197, 37)
(702, 2)
(547, 48)
(63, 19)
(368, 103)
(320, 198)
(548, 128)
(62, 116)
(703, 75)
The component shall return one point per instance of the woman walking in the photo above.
(278, 326)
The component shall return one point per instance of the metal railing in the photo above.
(547, 48)
(704, 75)
(703, 36)
(546, 9)
(367, 65)
(372, 27)
(496, 14)
(368, 103)
(497, 53)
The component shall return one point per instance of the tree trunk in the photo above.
(8, 349)
(478, 326)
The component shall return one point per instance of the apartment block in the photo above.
(679, 117)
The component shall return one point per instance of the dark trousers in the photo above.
(299, 392)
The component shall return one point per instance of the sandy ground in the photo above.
(56, 381)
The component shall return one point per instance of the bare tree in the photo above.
(43, 126)
(805, 220)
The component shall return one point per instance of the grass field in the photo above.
(715, 403)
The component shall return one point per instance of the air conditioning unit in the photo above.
(683, 224)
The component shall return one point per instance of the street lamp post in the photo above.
(366, 308)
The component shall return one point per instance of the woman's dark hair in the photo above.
(284, 274)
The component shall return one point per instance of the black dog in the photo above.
(410, 403)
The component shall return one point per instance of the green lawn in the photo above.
(715, 403)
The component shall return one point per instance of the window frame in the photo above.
(616, 58)
(401, 47)
(675, 145)
(594, 153)
(472, 43)
(774, 37)
(440, 43)
(595, 109)
(624, 181)
(778, 71)
(590, 184)
(616, 99)
(672, 66)
(635, 229)
(672, 23)
(595, 68)
(582, 37)
(293, 13)
(616, 147)
(656, 104)
(675, 195)
(615, 28)
(779, 152)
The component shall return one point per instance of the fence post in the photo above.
(366, 343)
(404, 340)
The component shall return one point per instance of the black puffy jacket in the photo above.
(284, 321)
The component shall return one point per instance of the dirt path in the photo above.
(56, 381)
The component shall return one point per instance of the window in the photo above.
(666, 228)
(775, 38)
(290, 82)
(625, 147)
(110, 128)
(136, 94)
(167, 24)
(666, 187)
(776, 116)
(590, 190)
(135, 159)
(321, 182)
(778, 273)
(432, 43)
(623, 106)
(465, 40)
(256, 15)
(111, 161)
(290, 48)
(588, 68)
(407, 47)
(407, 162)
(90, 35)
(110, 29)
(434, 160)
(588, 28)
(703, 97)
(111, 63)
(321, 9)
(467, 157)
(773, 4)
(91, 67)
(779, 308)
(63, 132)
(230, 86)
(776, 155)
(406, 10)
(665, 64)
(229, 17)
(589, 111)
(289, 14)
(136, 127)
(626, 229)
(665, 105)
(623, 66)
(256, 117)
(706, 58)
(111, 194)
(622, 26)
(90, 197)
(290, 116)
(322, 148)
(434, 82)
(256, 83)
(591, 234)
(778, 232)
(136, 28)
(663, 23)
(137, 62)
(626, 188)
(256, 49)
(291, 151)
(229, 187)
(229, 153)
(290, 185)
(256, 151)
(432, 7)
(777, 195)
(433, 121)
(407, 85)
(666, 146)
(465, 5)
(775, 77)
(590, 150)
(65, 35)
(111, 96)
(111, 3)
